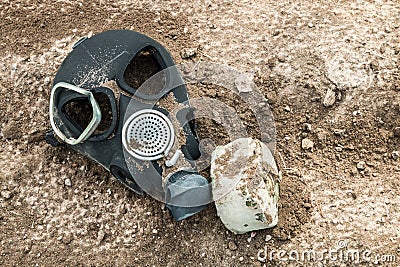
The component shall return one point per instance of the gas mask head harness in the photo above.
(97, 108)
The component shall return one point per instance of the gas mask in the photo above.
(99, 108)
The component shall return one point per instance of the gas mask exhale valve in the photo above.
(99, 108)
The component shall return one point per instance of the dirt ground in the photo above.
(330, 71)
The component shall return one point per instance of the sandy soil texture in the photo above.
(330, 72)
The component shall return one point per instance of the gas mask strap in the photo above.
(53, 112)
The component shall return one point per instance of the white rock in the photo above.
(243, 83)
(339, 149)
(6, 194)
(188, 53)
(68, 182)
(330, 98)
(245, 184)
(307, 127)
(100, 236)
(361, 165)
(395, 155)
(307, 144)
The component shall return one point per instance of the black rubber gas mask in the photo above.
(100, 107)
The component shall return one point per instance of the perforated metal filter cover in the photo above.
(148, 135)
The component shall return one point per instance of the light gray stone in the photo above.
(245, 184)
(361, 165)
(330, 98)
(68, 182)
(307, 144)
(6, 194)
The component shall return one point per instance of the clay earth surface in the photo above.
(330, 71)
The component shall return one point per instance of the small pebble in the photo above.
(307, 127)
(374, 65)
(395, 155)
(361, 165)
(287, 108)
(67, 238)
(271, 97)
(155, 231)
(243, 83)
(268, 238)
(396, 131)
(330, 98)
(241, 259)
(321, 134)
(338, 149)
(68, 182)
(339, 132)
(6, 194)
(232, 245)
(282, 57)
(307, 144)
(100, 236)
(188, 53)
(11, 131)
